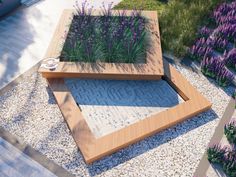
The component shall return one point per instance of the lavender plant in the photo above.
(106, 38)
(230, 58)
(227, 31)
(224, 77)
(229, 162)
(218, 39)
(225, 13)
(215, 154)
(199, 50)
(230, 132)
(218, 43)
(214, 68)
(204, 32)
(209, 66)
(224, 156)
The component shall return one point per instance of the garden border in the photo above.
(35, 155)
(151, 70)
(156, 68)
(204, 164)
(93, 149)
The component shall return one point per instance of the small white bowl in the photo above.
(50, 63)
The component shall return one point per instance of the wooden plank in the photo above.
(72, 114)
(152, 69)
(94, 149)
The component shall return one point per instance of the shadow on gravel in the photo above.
(195, 67)
(16, 35)
(51, 99)
(143, 146)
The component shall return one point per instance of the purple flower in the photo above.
(230, 58)
(225, 13)
(218, 43)
(200, 50)
(204, 32)
(214, 67)
(106, 11)
(227, 31)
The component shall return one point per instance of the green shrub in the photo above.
(215, 154)
(230, 132)
(141, 4)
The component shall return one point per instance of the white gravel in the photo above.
(29, 112)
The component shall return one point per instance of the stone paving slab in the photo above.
(109, 105)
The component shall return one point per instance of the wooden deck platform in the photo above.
(95, 148)
(156, 68)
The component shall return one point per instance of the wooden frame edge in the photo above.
(94, 149)
(152, 69)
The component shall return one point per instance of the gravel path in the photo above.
(29, 111)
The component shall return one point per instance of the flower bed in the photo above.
(73, 64)
(106, 43)
(215, 48)
(107, 38)
(224, 153)
(225, 156)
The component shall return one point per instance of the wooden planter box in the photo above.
(156, 68)
(152, 69)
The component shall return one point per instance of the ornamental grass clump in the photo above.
(106, 38)
(230, 132)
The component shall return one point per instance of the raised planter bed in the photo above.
(155, 68)
(7, 6)
(152, 69)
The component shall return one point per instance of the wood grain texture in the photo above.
(94, 149)
(152, 69)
